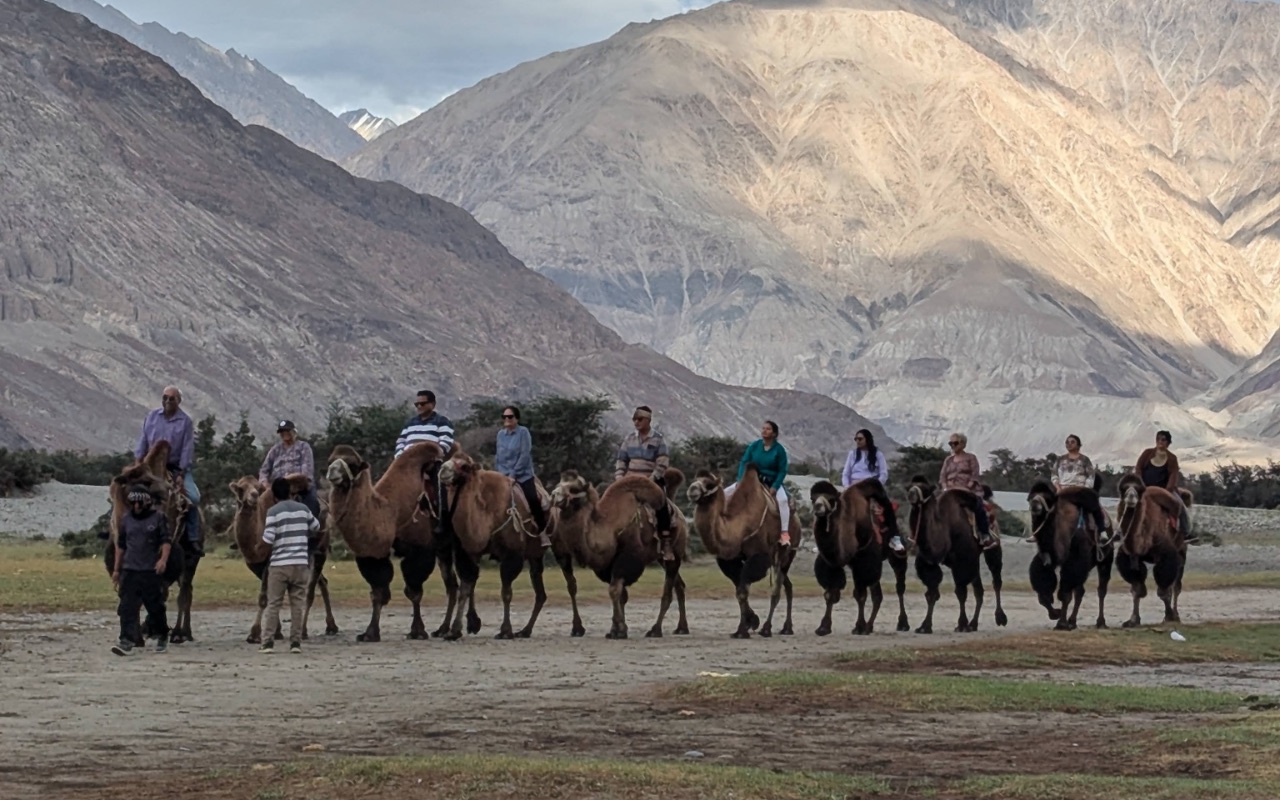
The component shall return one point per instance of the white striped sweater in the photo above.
(289, 525)
(435, 428)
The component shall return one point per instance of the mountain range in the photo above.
(369, 127)
(1017, 218)
(149, 238)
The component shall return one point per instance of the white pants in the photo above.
(784, 509)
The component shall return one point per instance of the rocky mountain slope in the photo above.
(252, 93)
(367, 125)
(976, 214)
(148, 238)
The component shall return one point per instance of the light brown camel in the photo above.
(489, 516)
(379, 521)
(1147, 525)
(745, 535)
(615, 536)
(253, 501)
(152, 471)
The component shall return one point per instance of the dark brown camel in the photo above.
(847, 536)
(152, 471)
(1067, 550)
(944, 537)
(1147, 526)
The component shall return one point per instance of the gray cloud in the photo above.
(395, 56)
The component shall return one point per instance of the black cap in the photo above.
(285, 425)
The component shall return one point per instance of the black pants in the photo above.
(312, 501)
(530, 490)
(1091, 505)
(139, 588)
(662, 516)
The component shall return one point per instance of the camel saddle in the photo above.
(178, 490)
(991, 508)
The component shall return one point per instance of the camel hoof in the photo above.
(861, 630)
(654, 633)
(1062, 625)
(452, 636)
(253, 638)
(786, 631)
(524, 633)
(369, 636)
(473, 624)
(682, 630)
(177, 638)
(740, 635)
(766, 632)
(418, 636)
(1002, 619)
(616, 635)
(1101, 624)
(973, 627)
(331, 630)
(504, 635)
(753, 621)
(1172, 618)
(903, 625)
(825, 630)
(925, 629)
(578, 632)
(1132, 623)
(1054, 613)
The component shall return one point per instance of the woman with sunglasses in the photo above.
(867, 468)
(515, 460)
(961, 470)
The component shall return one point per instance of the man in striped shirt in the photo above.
(289, 532)
(426, 425)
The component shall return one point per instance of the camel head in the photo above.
(919, 491)
(1130, 493)
(572, 490)
(1041, 499)
(704, 486)
(458, 469)
(825, 498)
(344, 465)
(247, 491)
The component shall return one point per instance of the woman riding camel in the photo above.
(770, 459)
(866, 463)
(960, 470)
(1157, 466)
(1074, 469)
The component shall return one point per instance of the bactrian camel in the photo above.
(382, 520)
(847, 537)
(1067, 550)
(615, 537)
(744, 534)
(152, 471)
(1147, 525)
(253, 501)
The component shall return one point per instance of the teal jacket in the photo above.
(771, 463)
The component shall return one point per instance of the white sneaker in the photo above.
(896, 544)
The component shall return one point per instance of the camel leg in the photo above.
(377, 572)
(468, 572)
(1044, 582)
(1134, 571)
(255, 633)
(979, 594)
(995, 562)
(330, 624)
(1165, 572)
(1104, 578)
(416, 565)
(877, 598)
(962, 596)
(832, 579)
(318, 580)
(775, 594)
(832, 596)
(1078, 597)
(571, 583)
(682, 623)
(671, 570)
(509, 568)
(860, 596)
(186, 592)
(745, 613)
(899, 566)
(444, 561)
(617, 595)
(787, 593)
(539, 596)
(931, 576)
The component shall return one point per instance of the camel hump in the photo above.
(299, 483)
(1187, 497)
(1077, 495)
(1042, 487)
(672, 480)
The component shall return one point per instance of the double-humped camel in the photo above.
(253, 501)
(744, 534)
(489, 516)
(615, 536)
(944, 536)
(382, 520)
(1147, 525)
(152, 471)
(847, 535)
(1067, 549)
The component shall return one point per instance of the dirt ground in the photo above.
(73, 716)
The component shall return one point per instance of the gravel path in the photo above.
(54, 509)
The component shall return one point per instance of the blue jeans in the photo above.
(193, 513)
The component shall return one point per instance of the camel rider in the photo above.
(770, 460)
(1075, 469)
(960, 470)
(1157, 466)
(291, 456)
(514, 458)
(170, 423)
(428, 425)
(644, 452)
(865, 467)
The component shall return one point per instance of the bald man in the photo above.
(171, 424)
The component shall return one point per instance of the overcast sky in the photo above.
(395, 57)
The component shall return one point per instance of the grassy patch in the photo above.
(936, 693)
(1234, 642)
(1073, 787)
(1248, 745)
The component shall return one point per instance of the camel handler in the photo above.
(428, 425)
(290, 531)
(142, 553)
(515, 460)
(644, 452)
(291, 456)
(171, 423)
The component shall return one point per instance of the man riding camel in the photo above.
(644, 452)
(428, 425)
(170, 423)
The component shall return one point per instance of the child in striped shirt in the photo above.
(289, 532)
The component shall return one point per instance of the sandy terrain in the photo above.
(78, 713)
(52, 510)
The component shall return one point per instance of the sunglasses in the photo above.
(953, 444)
(169, 398)
(420, 404)
(508, 416)
(636, 419)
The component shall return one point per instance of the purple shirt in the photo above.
(176, 430)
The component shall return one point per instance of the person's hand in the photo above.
(161, 564)
(115, 581)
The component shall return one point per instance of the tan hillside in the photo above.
(897, 203)
(149, 238)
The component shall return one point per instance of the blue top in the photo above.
(515, 453)
(771, 463)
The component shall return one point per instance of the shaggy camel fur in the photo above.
(1067, 550)
(379, 521)
(615, 537)
(489, 516)
(944, 537)
(744, 535)
(1147, 525)
(253, 501)
(847, 536)
(152, 471)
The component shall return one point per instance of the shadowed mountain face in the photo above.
(148, 238)
(1014, 219)
(252, 93)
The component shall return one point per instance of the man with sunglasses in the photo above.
(644, 452)
(170, 423)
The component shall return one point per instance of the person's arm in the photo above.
(1143, 460)
(846, 475)
(268, 464)
(662, 460)
(402, 441)
(621, 462)
(975, 473)
(269, 531)
(882, 468)
(141, 449)
(164, 557)
(308, 461)
(1089, 472)
(1174, 472)
(115, 571)
(444, 433)
(524, 457)
(783, 464)
(942, 473)
(187, 453)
